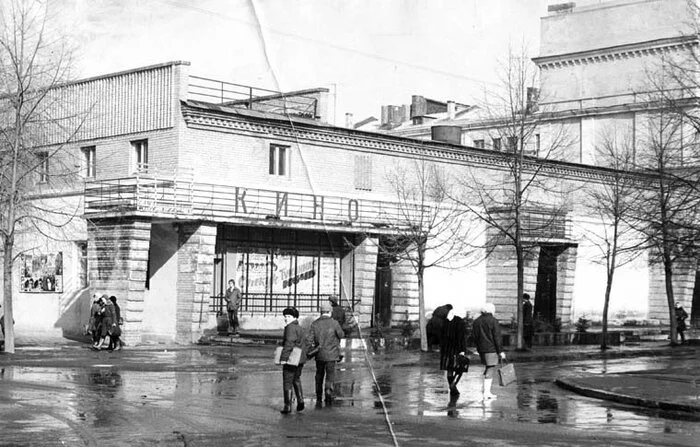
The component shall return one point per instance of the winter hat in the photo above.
(488, 308)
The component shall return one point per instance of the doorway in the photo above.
(382, 296)
(695, 306)
(546, 290)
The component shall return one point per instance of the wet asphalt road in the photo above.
(232, 396)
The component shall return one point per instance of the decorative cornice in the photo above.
(616, 53)
(383, 144)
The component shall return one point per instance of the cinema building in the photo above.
(185, 183)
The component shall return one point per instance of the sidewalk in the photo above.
(668, 389)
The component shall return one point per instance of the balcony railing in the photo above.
(253, 98)
(178, 196)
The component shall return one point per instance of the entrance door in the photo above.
(695, 310)
(382, 297)
(546, 291)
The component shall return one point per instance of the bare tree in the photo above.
(611, 204)
(433, 230)
(34, 129)
(523, 203)
(667, 213)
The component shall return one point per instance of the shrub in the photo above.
(583, 324)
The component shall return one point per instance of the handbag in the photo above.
(293, 359)
(461, 363)
(506, 374)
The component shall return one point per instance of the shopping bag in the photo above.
(506, 374)
(294, 357)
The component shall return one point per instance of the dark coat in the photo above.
(233, 299)
(326, 333)
(681, 315)
(435, 325)
(109, 319)
(294, 337)
(487, 334)
(453, 340)
(338, 314)
(527, 312)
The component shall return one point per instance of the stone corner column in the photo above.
(197, 243)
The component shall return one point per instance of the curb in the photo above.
(625, 398)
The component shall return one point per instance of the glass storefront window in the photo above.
(271, 281)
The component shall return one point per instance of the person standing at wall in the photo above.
(109, 321)
(487, 336)
(115, 342)
(528, 324)
(453, 347)
(681, 316)
(233, 300)
(294, 337)
(325, 334)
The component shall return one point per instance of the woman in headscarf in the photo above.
(453, 350)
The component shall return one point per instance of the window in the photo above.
(512, 144)
(43, 168)
(89, 161)
(140, 155)
(496, 142)
(537, 145)
(479, 144)
(363, 172)
(279, 162)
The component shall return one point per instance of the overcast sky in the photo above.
(372, 52)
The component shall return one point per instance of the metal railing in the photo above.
(176, 195)
(253, 98)
(272, 303)
(643, 97)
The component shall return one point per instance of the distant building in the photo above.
(595, 64)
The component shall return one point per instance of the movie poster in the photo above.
(42, 273)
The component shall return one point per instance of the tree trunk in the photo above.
(421, 314)
(8, 247)
(606, 305)
(668, 274)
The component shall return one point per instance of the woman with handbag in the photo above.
(294, 337)
(453, 349)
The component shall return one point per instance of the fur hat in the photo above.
(333, 299)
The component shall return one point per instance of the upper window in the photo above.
(512, 144)
(479, 144)
(363, 172)
(496, 144)
(139, 155)
(279, 160)
(43, 166)
(89, 161)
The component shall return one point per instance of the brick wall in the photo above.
(117, 265)
(365, 260)
(404, 293)
(194, 279)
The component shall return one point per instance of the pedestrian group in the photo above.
(105, 323)
(322, 343)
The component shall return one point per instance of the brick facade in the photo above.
(197, 242)
(117, 265)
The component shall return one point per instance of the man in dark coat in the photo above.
(453, 348)
(294, 337)
(233, 300)
(528, 326)
(487, 336)
(325, 334)
(681, 316)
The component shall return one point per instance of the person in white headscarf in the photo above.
(487, 335)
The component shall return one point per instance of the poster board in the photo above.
(41, 273)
